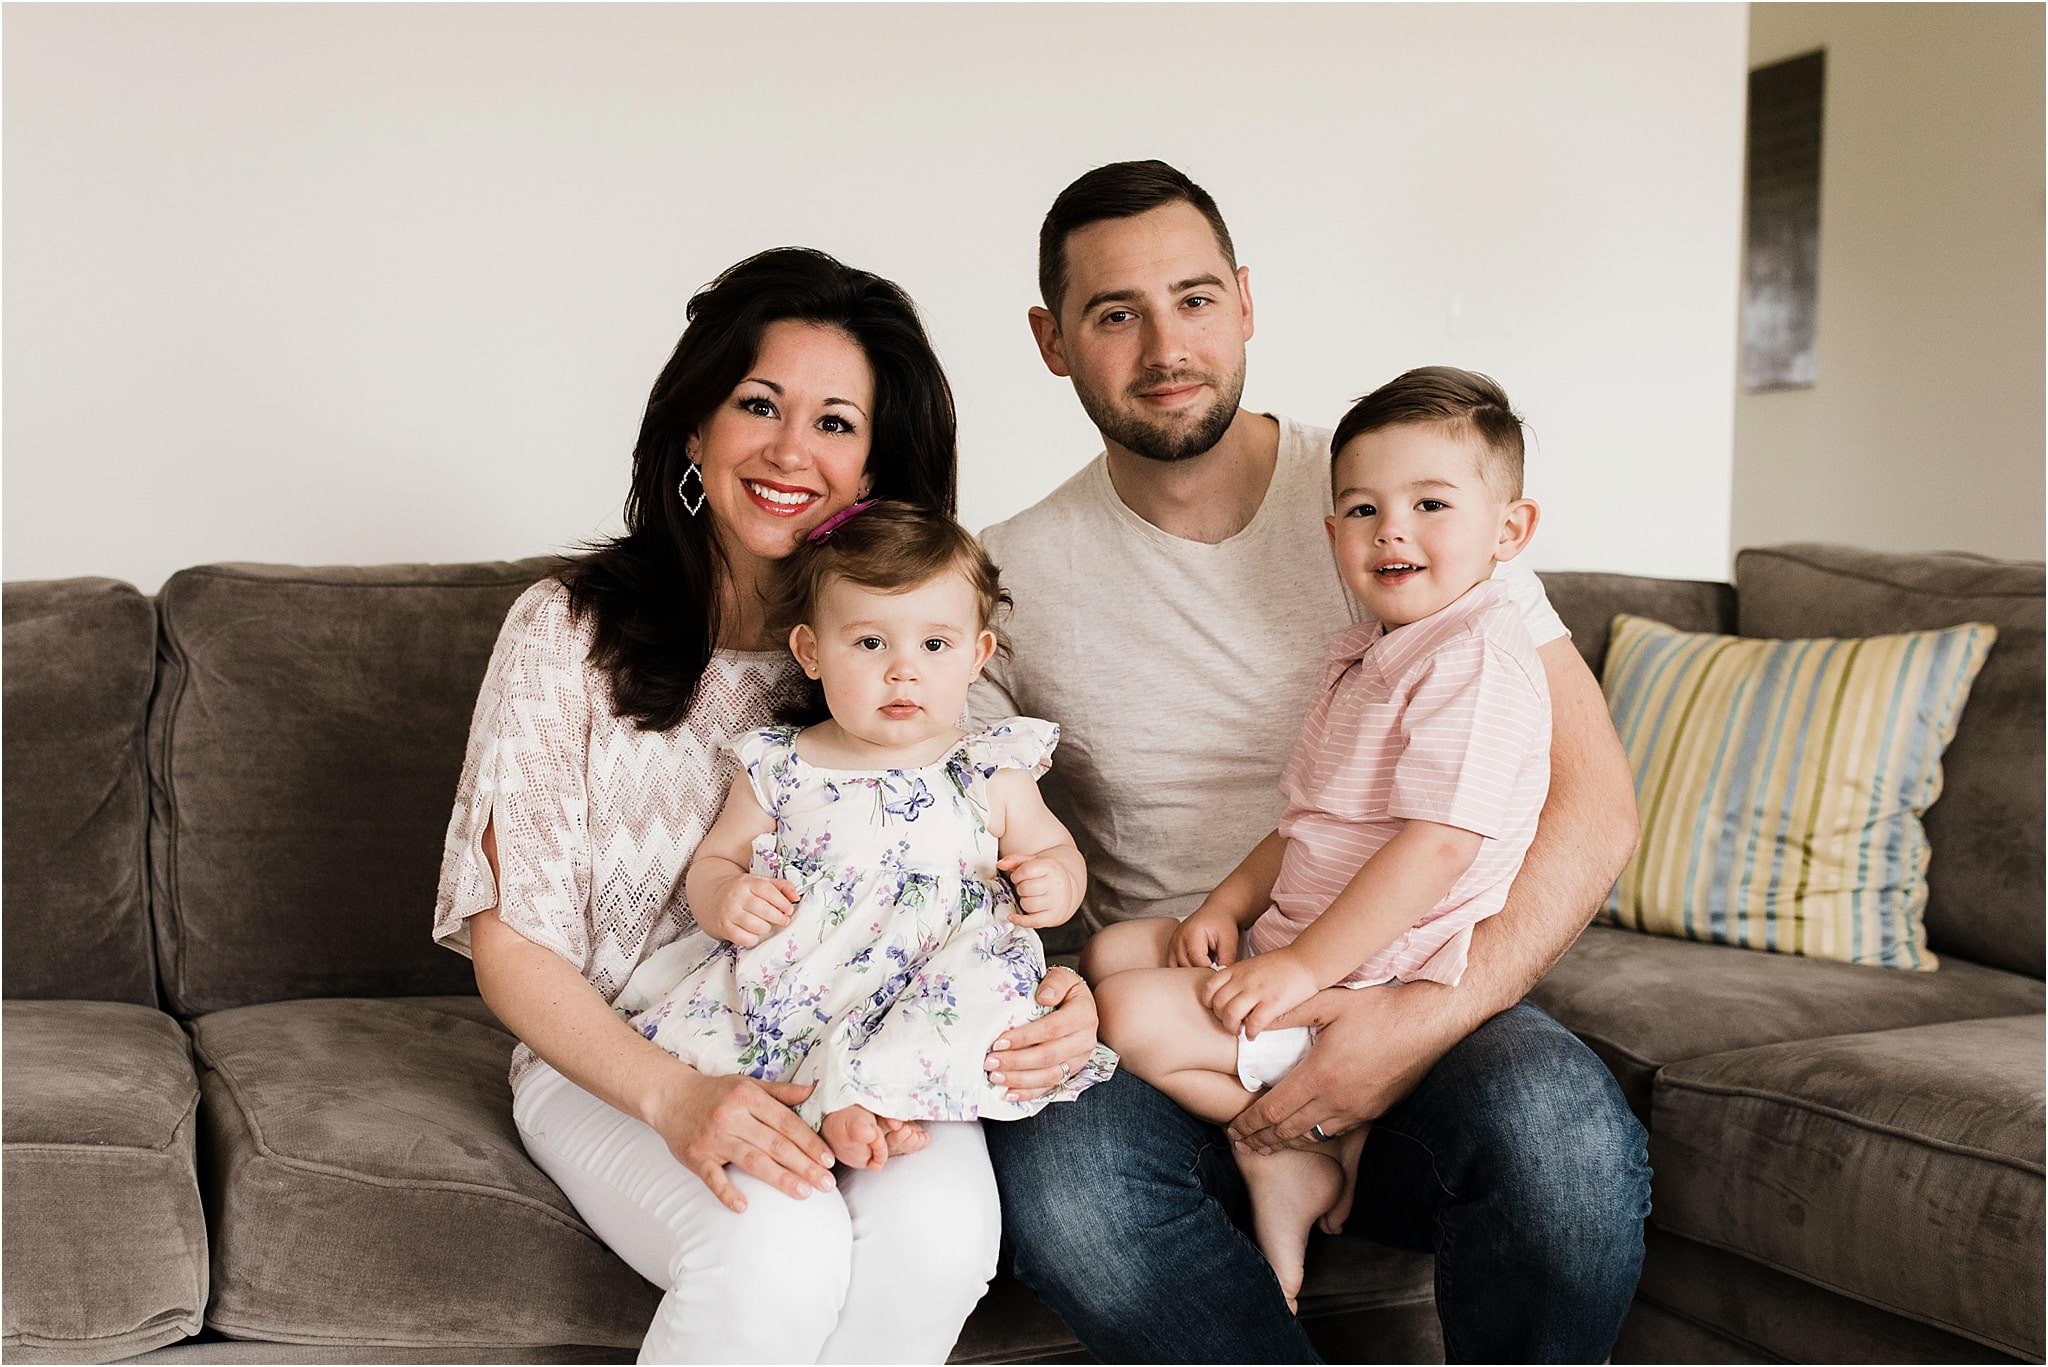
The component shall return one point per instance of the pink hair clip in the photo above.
(822, 533)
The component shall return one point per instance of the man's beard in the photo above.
(1157, 441)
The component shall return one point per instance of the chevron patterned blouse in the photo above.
(595, 819)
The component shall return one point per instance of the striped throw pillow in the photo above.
(1780, 784)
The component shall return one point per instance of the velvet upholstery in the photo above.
(1700, 1304)
(305, 742)
(1902, 1168)
(1984, 900)
(362, 1168)
(1644, 1001)
(78, 656)
(105, 1238)
(1588, 603)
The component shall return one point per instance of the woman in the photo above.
(594, 767)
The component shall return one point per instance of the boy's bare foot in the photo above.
(856, 1137)
(1348, 1147)
(1289, 1190)
(903, 1136)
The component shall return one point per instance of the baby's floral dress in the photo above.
(900, 966)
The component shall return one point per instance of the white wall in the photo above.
(1924, 428)
(351, 284)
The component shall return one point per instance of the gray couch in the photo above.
(253, 1114)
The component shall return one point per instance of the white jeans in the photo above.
(885, 1269)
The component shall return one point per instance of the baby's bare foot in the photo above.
(903, 1136)
(1349, 1147)
(855, 1137)
(1289, 1190)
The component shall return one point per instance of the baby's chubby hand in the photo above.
(1253, 993)
(1046, 891)
(748, 909)
(1205, 938)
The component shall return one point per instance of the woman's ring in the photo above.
(1315, 1132)
(1064, 1073)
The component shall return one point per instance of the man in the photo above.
(1173, 600)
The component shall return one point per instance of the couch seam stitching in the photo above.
(210, 573)
(1716, 1330)
(1856, 1122)
(2015, 596)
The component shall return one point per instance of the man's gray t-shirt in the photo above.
(1178, 671)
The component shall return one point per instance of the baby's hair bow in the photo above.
(822, 533)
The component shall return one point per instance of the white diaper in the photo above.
(1264, 1061)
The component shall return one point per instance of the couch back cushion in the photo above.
(80, 655)
(1588, 603)
(1984, 882)
(304, 746)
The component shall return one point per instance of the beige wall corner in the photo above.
(1925, 428)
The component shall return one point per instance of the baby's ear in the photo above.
(803, 643)
(1517, 529)
(984, 649)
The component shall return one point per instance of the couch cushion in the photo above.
(1765, 1315)
(369, 1188)
(304, 748)
(1985, 880)
(1642, 1001)
(1780, 784)
(105, 1240)
(1903, 1168)
(1588, 603)
(79, 657)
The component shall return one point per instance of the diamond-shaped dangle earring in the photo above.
(691, 505)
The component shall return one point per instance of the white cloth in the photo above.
(1179, 671)
(1273, 1055)
(595, 818)
(885, 1269)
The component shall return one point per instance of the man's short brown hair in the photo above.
(1122, 189)
(1456, 401)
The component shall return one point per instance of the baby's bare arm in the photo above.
(1392, 891)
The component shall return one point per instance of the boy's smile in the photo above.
(1416, 523)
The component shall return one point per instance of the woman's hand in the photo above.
(708, 1122)
(747, 909)
(1207, 937)
(1039, 1055)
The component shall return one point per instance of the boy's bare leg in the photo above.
(1160, 1029)
(857, 1138)
(1128, 945)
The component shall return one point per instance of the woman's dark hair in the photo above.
(653, 592)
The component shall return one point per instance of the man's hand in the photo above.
(1047, 894)
(1207, 937)
(1253, 993)
(748, 909)
(1372, 1047)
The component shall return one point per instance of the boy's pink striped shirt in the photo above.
(1445, 720)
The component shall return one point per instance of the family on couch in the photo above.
(774, 1114)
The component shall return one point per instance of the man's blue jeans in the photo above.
(1516, 1162)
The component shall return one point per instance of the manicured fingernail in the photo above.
(1240, 1146)
(999, 1044)
(826, 1183)
(996, 1078)
(1014, 1096)
(991, 1062)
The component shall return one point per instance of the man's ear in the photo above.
(1045, 331)
(1244, 290)
(803, 643)
(1517, 529)
(984, 649)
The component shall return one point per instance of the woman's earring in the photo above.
(683, 489)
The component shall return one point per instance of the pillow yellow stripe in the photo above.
(1780, 784)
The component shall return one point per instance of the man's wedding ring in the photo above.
(1315, 1132)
